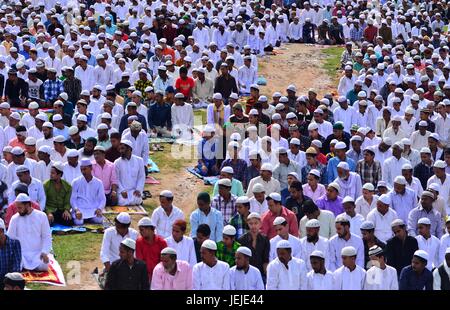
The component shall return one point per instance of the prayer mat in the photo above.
(152, 167)
(98, 228)
(192, 171)
(151, 180)
(261, 81)
(129, 209)
(54, 275)
(210, 180)
(62, 230)
(161, 140)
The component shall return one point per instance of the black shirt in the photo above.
(260, 255)
(197, 250)
(296, 207)
(225, 86)
(399, 254)
(15, 90)
(123, 277)
(112, 154)
(234, 119)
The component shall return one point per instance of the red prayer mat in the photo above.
(54, 275)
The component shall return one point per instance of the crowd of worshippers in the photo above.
(346, 192)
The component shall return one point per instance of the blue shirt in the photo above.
(160, 115)
(332, 167)
(403, 204)
(63, 132)
(10, 257)
(410, 281)
(214, 220)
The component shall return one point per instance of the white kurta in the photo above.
(381, 279)
(164, 222)
(363, 207)
(280, 278)
(391, 168)
(87, 197)
(131, 176)
(383, 230)
(318, 281)
(431, 246)
(252, 280)
(344, 279)
(185, 249)
(308, 247)
(33, 232)
(336, 244)
(211, 278)
(257, 207)
(111, 243)
(295, 246)
(70, 173)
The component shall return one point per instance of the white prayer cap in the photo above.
(235, 136)
(400, 180)
(406, 141)
(123, 218)
(407, 167)
(367, 225)
(30, 141)
(129, 243)
(229, 230)
(254, 215)
(422, 254)
(244, 250)
(73, 130)
(127, 142)
(294, 141)
(315, 172)
(318, 254)
(217, 96)
(266, 167)
(274, 196)
(312, 223)
(344, 165)
(22, 198)
(258, 188)
(276, 116)
(145, 222)
(209, 129)
(348, 251)
(423, 124)
(335, 186)
(224, 182)
(385, 199)
(435, 136)
(425, 150)
(242, 200)
(252, 128)
(279, 221)
(292, 88)
(17, 151)
(45, 149)
(33, 105)
(447, 251)
(15, 115)
(440, 164)
(348, 199)
(210, 245)
(424, 221)
(166, 193)
(85, 162)
(253, 112)
(168, 251)
(434, 186)
(283, 244)
(103, 126)
(72, 153)
(428, 194)
(397, 222)
(317, 143)
(340, 146)
(4, 105)
(313, 126)
(22, 168)
(369, 187)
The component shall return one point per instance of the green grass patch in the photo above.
(333, 61)
(78, 247)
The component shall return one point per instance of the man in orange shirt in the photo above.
(19, 140)
(276, 209)
(166, 50)
(185, 84)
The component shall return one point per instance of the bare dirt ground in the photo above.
(300, 65)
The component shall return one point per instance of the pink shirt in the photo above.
(182, 280)
(320, 191)
(107, 174)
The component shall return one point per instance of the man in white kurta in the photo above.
(88, 196)
(282, 230)
(244, 276)
(131, 175)
(139, 139)
(166, 214)
(210, 273)
(72, 167)
(182, 117)
(350, 276)
(286, 272)
(319, 278)
(32, 229)
(313, 242)
(247, 75)
(392, 167)
(380, 276)
(35, 188)
(429, 243)
(382, 217)
(185, 248)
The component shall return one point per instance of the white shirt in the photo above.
(257, 207)
(437, 277)
(345, 85)
(211, 278)
(87, 77)
(182, 116)
(344, 279)
(104, 76)
(280, 278)
(140, 144)
(383, 230)
(318, 281)
(246, 77)
(33, 232)
(445, 243)
(11, 175)
(272, 186)
(363, 207)
(43, 170)
(392, 167)
(381, 279)
(325, 129)
(35, 191)
(295, 247)
(130, 173)
(355, 223)
(308, 247)
(444, 188)
(164, 222)
(111, 243)
(431, 246)
(70, 173)
(336, 244)
(185, 249)
(347, 117)
(250, 280)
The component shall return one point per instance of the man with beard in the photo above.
(131, 175)
(72, 167)
(286, 267)
(243, 276)
(319, 278)
(349, 182)
(313, 242)
(84, 131)
(58, 193)
(88, 150)
(37, 245)
(47, 139)
(170, 273)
